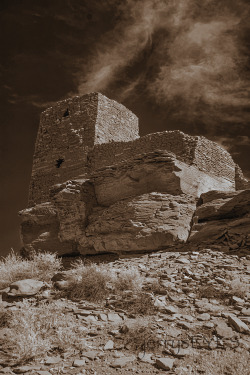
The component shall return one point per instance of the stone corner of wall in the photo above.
(241, 182)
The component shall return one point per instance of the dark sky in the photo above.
(177, 64)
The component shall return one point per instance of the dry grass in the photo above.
(216, 362)
(211, 292)
(141, 337)
(40, 266)
(5, 317)
(37, 330)
(155, 287)
(127, 280)
(97, 282)
(140, 303)
(239, 288)
(88, 282)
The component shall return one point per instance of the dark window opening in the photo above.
(59, 162)
(66, 113)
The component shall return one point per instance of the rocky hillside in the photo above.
(168, 312)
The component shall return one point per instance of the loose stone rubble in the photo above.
(198, 313)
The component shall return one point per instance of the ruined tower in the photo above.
(97, 186)
(68, 131)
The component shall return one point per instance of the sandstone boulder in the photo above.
(58, 225)
(25, 288)
(223, 218)
(158, 171)
(73, 203)
(40, 228)
(147, 222)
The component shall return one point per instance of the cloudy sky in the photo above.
(177, 64)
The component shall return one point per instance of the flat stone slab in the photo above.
(122, 362)
(78, 362)
(237, 324)
(113, 317)
(165, 363)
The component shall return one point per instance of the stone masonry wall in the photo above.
(206, 155)
(177, 142)
(114, 123)
(68, 131)
(83, 134)
(213, 159)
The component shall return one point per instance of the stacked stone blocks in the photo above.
(96, 186)
(67, 133)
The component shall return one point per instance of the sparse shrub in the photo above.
(5, 317)
(239, 288)
(142, 338)
(41, 266)
(211, 292)
(89, 282)
(216, 362)
(156, 287)
(36, 330)
(127, 280)
(140, 303)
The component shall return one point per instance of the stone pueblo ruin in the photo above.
(98, 187)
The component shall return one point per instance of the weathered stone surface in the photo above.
(60, 224)
(150, 221)
(122, 362)
(97, 186)
(224, 217)
(78, 363)
(40, 229)
(27, 287)
(73, 204)
(158, 171)
(165, 363)
(223, 330)
(237, 324)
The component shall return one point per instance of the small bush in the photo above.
(139, 304)
(37, 330)
(5, 317)
(41, 266)
(141, 338)
(127, 280)
(239, 289)
(90, 283)
(211, 292)
(156, 287)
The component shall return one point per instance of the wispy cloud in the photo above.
(119, 47)
(200, 63)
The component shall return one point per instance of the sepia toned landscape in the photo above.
(138, 263)
(125, 187)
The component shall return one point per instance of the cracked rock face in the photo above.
(223, 218)
(158, 171)
(146, 204)
(97, 186)
(149, 221)
(147, 212)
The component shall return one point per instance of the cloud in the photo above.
(198, 57)
(119, 47)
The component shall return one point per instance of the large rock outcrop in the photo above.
(222, 218)
(97, 186)
(146, 222)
